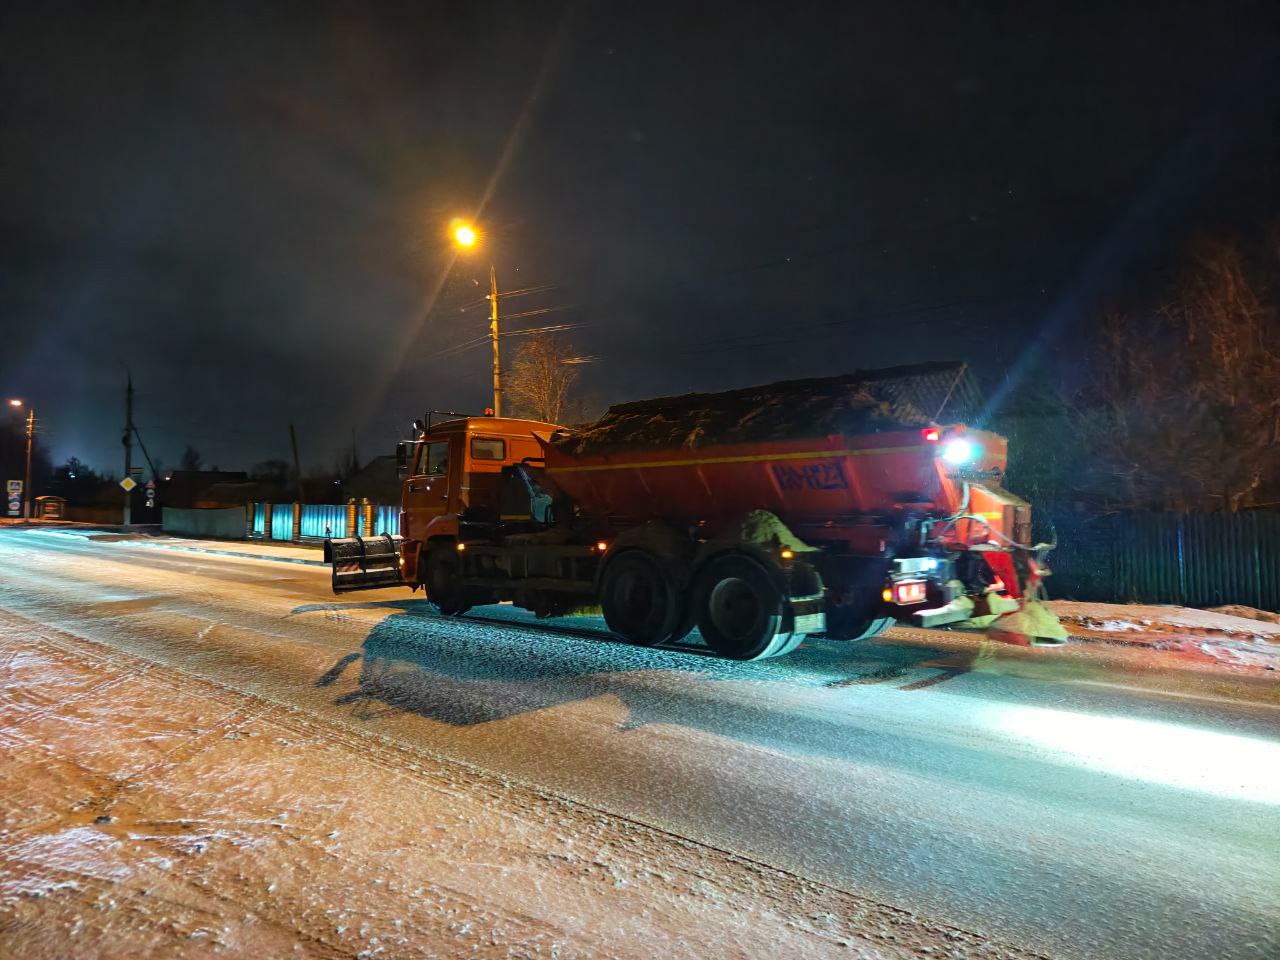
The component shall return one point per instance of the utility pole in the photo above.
(493, 336)
(297, 464)
(128, 446)
(26, 484)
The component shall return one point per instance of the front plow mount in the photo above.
(364, 563)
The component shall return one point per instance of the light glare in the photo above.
(959, 451)
(1189, 758)
(464, 235)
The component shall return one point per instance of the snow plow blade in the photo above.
(1032, 625)
(364, 563)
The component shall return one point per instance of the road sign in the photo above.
(14, 487)
(135, 471)
(128, 483)
(15, 505)
(151, 484)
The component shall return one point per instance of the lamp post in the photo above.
(31, 433)
(466, 237)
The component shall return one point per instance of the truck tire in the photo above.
(843, 626)
(741, 610)
(639, 601)
(874, 628)
(444, 583)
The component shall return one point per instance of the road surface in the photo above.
(1083, 803)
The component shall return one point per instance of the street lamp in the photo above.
(466, 237)
(31, 433)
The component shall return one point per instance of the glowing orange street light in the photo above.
(464, 235)
(15, 403)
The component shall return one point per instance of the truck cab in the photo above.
(452, 474)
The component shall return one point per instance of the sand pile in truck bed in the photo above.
(868, 401)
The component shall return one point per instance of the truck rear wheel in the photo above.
(741, 611)
(444, 582)
(845, 625)
(639, 602)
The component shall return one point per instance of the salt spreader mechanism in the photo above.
(832, 507)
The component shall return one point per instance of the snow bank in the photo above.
(1207, 635)
(1142, 618)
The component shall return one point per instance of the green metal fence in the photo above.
(1200, 560)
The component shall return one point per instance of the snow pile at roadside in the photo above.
(1249, 613)
(1142, 618)
(1220, 635)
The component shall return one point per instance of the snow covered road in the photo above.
(1077, 803)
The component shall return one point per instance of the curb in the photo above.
(233, 553)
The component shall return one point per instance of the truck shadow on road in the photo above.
(467, 671)
(825, 700)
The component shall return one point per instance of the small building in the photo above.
(208, 488)
(377, 481)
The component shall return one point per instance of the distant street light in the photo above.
(31, 433)
(466, 237)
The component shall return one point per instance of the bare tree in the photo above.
(1183, 409)
(1138, 425)
(1232, 326)
(539, 381)
(190, 459)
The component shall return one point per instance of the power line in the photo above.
(556, 328)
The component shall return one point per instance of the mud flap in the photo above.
(364, 563)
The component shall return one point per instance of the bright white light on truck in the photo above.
(959, 450)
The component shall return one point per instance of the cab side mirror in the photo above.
(404, 454)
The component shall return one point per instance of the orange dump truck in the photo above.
(830, 507)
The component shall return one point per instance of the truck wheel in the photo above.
(874, 628)
(444, 582)
(639, 602)
(741, 611)
(843, 626)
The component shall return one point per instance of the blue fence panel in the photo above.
(259, 519)
(282, 521)
(387, 520)
(324, 520)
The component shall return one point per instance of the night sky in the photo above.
(248, 206)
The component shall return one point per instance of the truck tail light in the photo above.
(931, 434)
(910, 591)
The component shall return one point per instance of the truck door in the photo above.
(427, 489)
